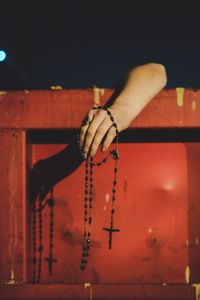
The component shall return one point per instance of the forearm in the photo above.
(143, 83)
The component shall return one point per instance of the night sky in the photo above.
(78, 44)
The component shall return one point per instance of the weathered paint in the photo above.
(161, 243)
(151, 214)
(98, 92)
(187, 274)
(164, 284)
(52, 107)
(56, 87)
(193, 170)
(11, 206)
(197, 287)
(12, 278)
(100, 291)
(107, 197)
(12, 174)
(193, 105)
(180, 96)
(89, 286)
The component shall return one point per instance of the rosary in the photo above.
(37, 211)
(88, 195)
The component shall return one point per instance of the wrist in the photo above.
(124, 113)
(125, 108)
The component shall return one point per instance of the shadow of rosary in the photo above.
(44, 175)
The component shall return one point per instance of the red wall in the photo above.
(157, 208)
(151, 213)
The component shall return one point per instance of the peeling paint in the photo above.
(187, 243)
(97, 94)
(105, 207)
(107, 197)
(13, 217)
(164, 284)
(12, 278)
(197, 287)
(187, 274)
(3, 93)
(26, 92)
(193, 105)
(150, 230)
(197, 240)
(180, 96)
(89, 285)
(56, 87)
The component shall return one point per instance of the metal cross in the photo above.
(111, 230)
(50, 262)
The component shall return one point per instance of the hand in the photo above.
(128, 104)
(100, 129)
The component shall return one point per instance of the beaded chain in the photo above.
(37, 262)
(88, 198)
(87, 211)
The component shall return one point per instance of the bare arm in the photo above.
(142, 85)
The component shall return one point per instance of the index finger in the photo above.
(84, 128)
(99, 116)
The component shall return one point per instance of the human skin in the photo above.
(142, 85)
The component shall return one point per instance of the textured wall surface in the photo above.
(156, 254)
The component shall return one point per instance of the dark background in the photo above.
(78, 44)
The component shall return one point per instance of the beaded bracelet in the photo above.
(88, 197)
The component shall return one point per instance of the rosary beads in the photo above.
(37, 210)
(88, 194)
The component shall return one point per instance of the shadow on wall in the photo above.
(46, 173)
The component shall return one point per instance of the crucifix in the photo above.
(50, 260)
(111, 230)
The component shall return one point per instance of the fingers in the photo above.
(98, 118)
(85, 128)
(103, 129)
(109, 138)
(97, 130)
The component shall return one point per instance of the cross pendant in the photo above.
(110, 231)
(50, 262)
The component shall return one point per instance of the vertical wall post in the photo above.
(12, 206)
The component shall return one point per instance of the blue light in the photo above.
(2, 55)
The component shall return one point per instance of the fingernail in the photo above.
(85, 154)
(103, 149)
(92, 153)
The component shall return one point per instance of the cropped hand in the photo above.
(100, 129)
(143, 83)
